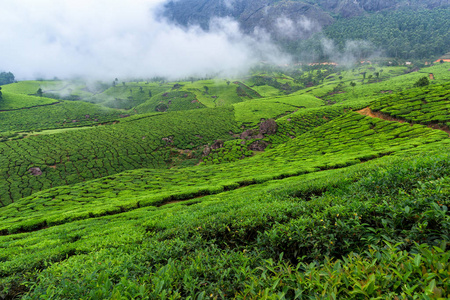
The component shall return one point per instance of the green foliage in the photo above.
(231, 151)
(16, 101)
(6, 78)
(245, 92)
(273, 82)
(79, 155)
(341, 205)
(64, 114)
(403, 33)
(228, 245)
(424, 81)
(24, 87)
(250, 113)
(129, 96)
(425, 105)
(406, 34)
(339, 143)
(295, 124)
(220, 92)
(170, 101)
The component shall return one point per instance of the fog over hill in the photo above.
(298, 18)
(177, 39)
(104, 38)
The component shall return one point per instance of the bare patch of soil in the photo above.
(376, 114)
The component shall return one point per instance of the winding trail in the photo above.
(377, 114)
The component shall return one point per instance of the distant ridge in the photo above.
(308, 16)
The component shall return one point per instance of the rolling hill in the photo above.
(243, 189)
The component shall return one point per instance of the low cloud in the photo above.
(300, 28)
(229, 4)
(351, 53)
(108, 39)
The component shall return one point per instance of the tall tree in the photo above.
(6, 78)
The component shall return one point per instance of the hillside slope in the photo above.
(340, 205)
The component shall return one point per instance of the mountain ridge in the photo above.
(269, 14)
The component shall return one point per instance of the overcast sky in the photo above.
(106, 39)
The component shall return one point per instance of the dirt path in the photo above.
(377, 114)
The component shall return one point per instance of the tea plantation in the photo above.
(228, 188)
(79, 155)
(65, 114)
(430, 105)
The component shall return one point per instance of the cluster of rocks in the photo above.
(267, 127)
(216, 145)
(168, 140)
(35, 171)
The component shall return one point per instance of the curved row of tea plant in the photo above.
(79, 155)
(128, 95)
(342, 142)
(425, 105)
(213, 93)
(11, 102)
(231, 151)
(391, 80)
(170, 101)
(360, 226)
(250, 113)
(65, 114)
(304, 120)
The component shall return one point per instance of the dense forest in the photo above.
(6, 78)
(403, 34)
(400, 34)
(396, 29)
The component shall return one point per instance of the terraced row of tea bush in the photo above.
(364, 226)
(230, 151)
(426, 105)
(123, 95)
(288, 127)
(268, 239)
(392, 80)
(354, 133)
(282, 83)
(249, 113)
(303, 120)
(170, 101)
(12, 102)
(146, 96)
(129, 94)
(213, 93)
(64, 114)
(78, 155)
(57, 89)
(30, 87)
(342, 142)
